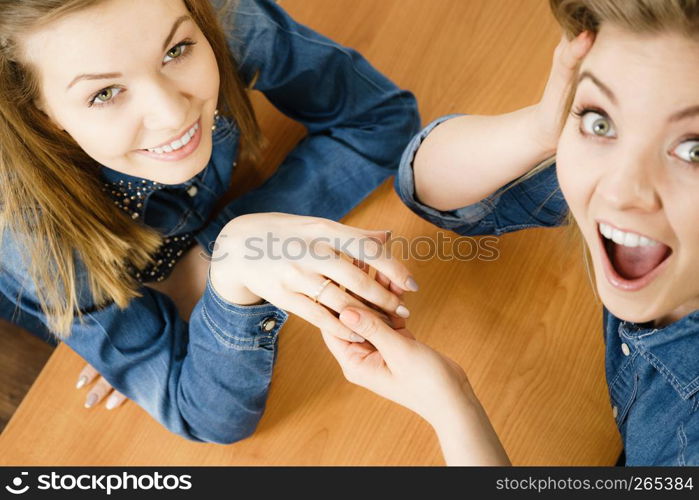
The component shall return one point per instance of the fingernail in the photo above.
(388, 235)
(111, 401)
(81, 382)
(349, 317)
(402, 311)
(356, 338)
(411, 285)
(91, 400)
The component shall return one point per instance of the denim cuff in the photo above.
(241, 327)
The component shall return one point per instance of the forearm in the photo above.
(467, 158)
(467, 437)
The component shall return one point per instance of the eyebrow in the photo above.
(680, 115)
(102, 76)
(606, 90)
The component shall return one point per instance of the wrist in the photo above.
(460, 409)
(224, 273)
(466, 435)
(543, 129)
(230, 290)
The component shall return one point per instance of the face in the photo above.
(154, 86)
(628, 166)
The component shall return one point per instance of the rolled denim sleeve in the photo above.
(358, 121)
(520, 204)
(205, 380)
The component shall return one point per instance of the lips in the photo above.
(632, 268)
(178, 154)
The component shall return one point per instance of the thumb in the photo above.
(549, 113)
(369, 325)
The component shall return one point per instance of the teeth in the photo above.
(177, 143)
(625, 238)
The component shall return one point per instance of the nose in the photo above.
(629, 182)
(164, 106)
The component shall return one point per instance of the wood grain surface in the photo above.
(525, 326)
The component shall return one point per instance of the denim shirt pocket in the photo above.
(623, 390)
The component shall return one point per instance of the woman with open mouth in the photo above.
(615, 142)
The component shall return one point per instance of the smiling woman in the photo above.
(162, 91)
(121, 122)
(44, 45)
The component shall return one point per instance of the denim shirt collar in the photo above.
(673, 350)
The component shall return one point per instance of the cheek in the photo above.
(101, 142)
(205, 76)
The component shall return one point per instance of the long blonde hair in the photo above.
(52, 201)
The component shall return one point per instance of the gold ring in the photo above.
(320, 289)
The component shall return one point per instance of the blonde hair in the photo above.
(52, 200)
(636, 16)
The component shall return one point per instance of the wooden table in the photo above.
(526, 327)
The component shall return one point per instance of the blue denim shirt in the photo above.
(652, 373)
(207, 380)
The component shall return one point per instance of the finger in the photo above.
(383, 280)
(358, 244)
(342, 350)
(397, 323)
(581, 45)
(569, 53)
(97, 392)
(361, 265)
(87, 375)
(336, 300)
(115, 400)
(356, 281)
(317, 315)
(396, 289)
(389, 342)
(353, 358)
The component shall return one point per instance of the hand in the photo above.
(286, 259)
(549, 113)
(396, 366)
(101, 389)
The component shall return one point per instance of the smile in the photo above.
(631, 260)
(178, 148)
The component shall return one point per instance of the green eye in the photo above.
(174, 52)
(179, 51)
(600, 127)
(596, 124)
(104, 95)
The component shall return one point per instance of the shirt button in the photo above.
(192, 190)
(615, 411)
(625, 349)
(269, 324)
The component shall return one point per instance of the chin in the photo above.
(629, 309)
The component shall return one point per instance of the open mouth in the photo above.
(631, 260)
